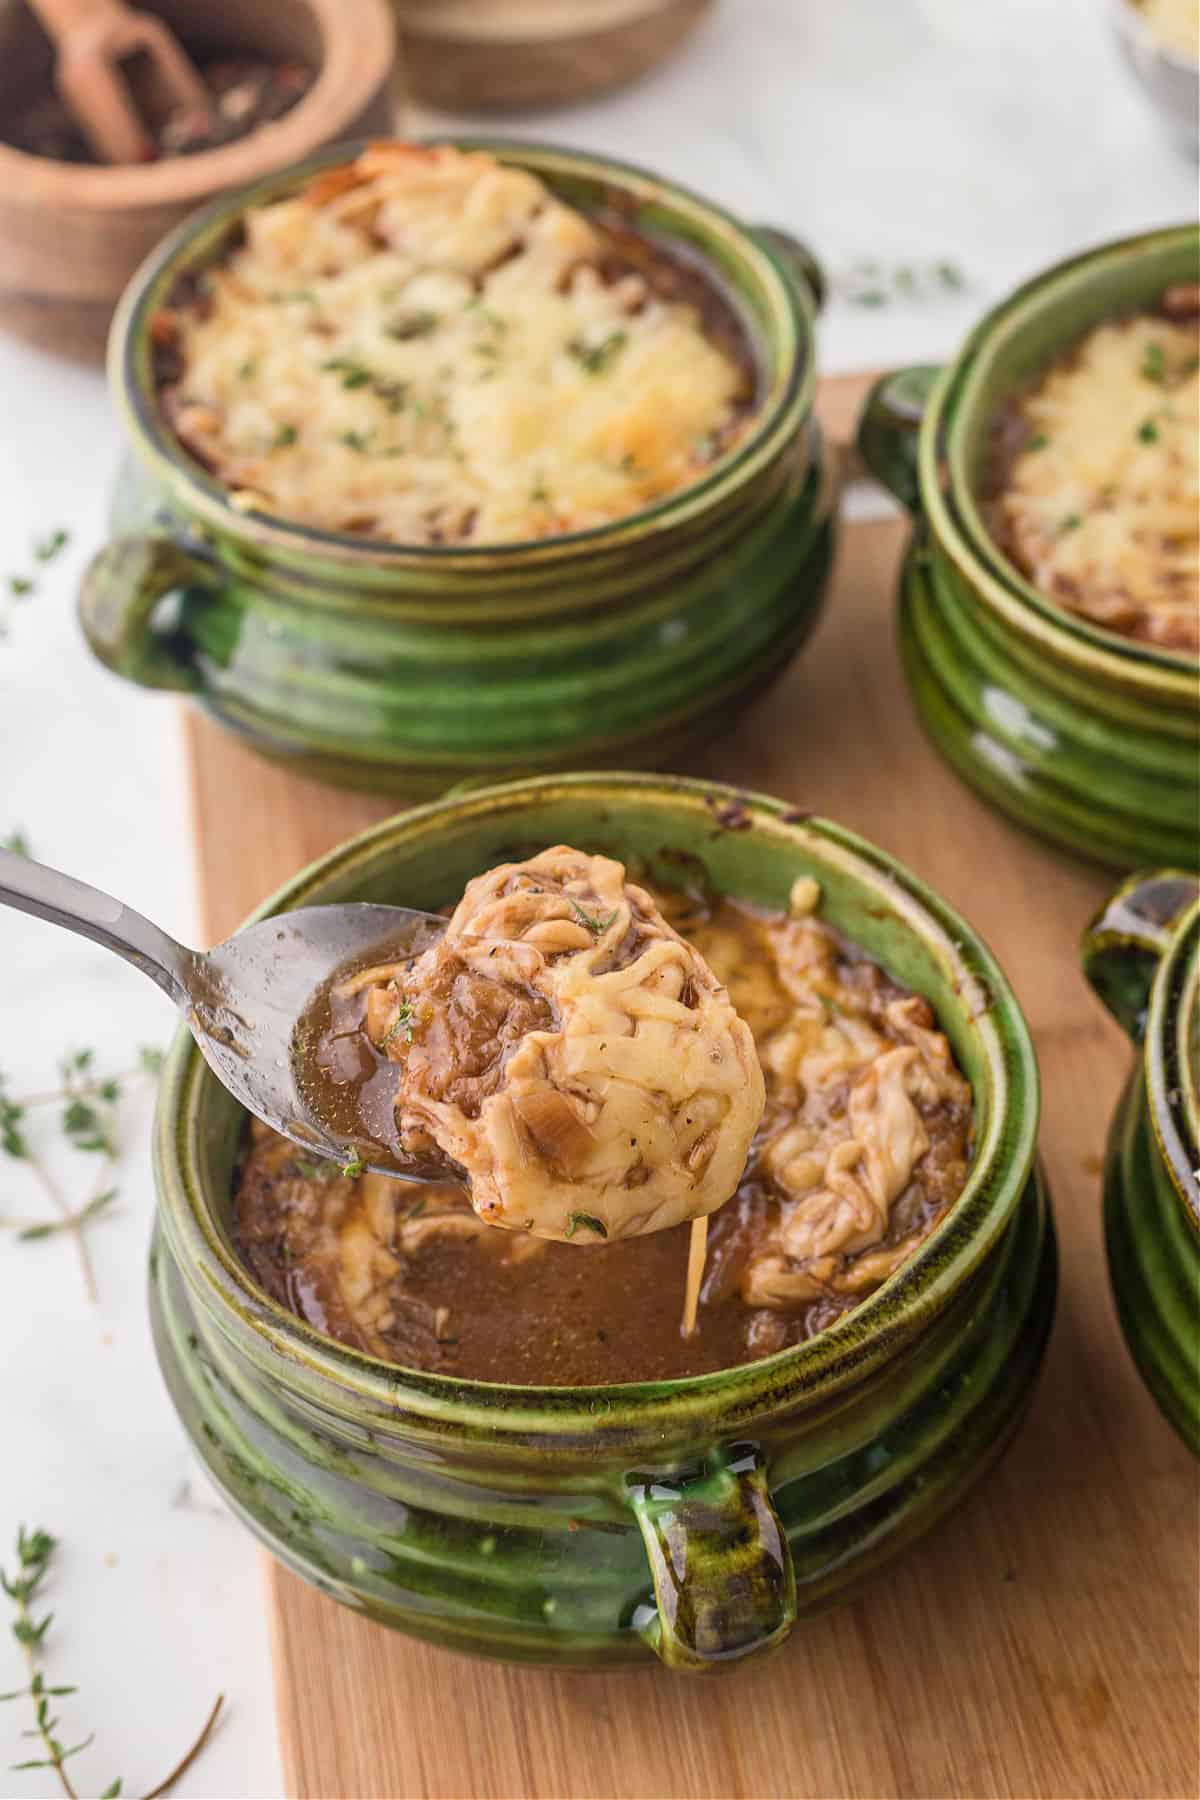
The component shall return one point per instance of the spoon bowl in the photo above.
(245, 999)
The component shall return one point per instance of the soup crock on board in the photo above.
(1142, 956)
(693, 1519)
(1085, 737)
(409, 669)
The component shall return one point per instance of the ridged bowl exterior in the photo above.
(1084, 737)
(410, 670)
(524, 1523)
(1152, 1167)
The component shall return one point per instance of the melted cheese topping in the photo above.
(1101, 507)
(1175, 23)
(863, 1147)
(857, 1093)
(427, 347)
(564, 1046)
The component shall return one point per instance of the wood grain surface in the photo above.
(1043, 1641)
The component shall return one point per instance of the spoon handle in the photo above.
(30, 887)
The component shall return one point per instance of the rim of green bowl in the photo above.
(845, 1351)
(1172, 1042)
(952, 507)
(783, 409)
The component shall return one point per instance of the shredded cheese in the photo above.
(1101, 505)
(427, 347)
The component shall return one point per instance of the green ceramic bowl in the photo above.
(1085, 737)
(1142, 955)
(690, 1519)
(407, 670)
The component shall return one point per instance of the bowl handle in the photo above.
(1124, 943)
(889, 426)
(722, 1569)
(121, 587)
(796, 257)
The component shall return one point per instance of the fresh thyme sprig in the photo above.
(869, 282)
(34, 1552)
(19, 585)
(89, 1122)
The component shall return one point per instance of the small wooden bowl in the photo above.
(484, 55)
(72, 234)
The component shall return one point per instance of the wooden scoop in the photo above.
(102, 44)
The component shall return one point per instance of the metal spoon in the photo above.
(243, 999)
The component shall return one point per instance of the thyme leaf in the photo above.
(403, 1022)
(597, 358)
(48, 547)
(599, 926)
(88, 1106)
(35, 1551)
(577, 1219)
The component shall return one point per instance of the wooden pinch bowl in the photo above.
(502, 55)
(71, 234)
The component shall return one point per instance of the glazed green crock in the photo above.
(692, 1519)
(1142, 955)
(1087, 738)
(407, 670)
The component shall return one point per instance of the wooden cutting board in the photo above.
(1043, 1641)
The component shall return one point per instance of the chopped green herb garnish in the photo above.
(50, 546)
(1147, 432)
(1190, 364)
(486, 314)
(353, 440)
(540, 494)
(403, 1022)
(577, 1219)
(21, 586)
(284, 437)
(1038, 441)
(596, 358)
(1070, 521)
(247, 368)
(353, 1167)
(17, 842)
(590, 920)
(1154, 363)
(354, 374)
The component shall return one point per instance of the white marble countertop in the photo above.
(908, 131)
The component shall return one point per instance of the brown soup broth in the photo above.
(375, 1264)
